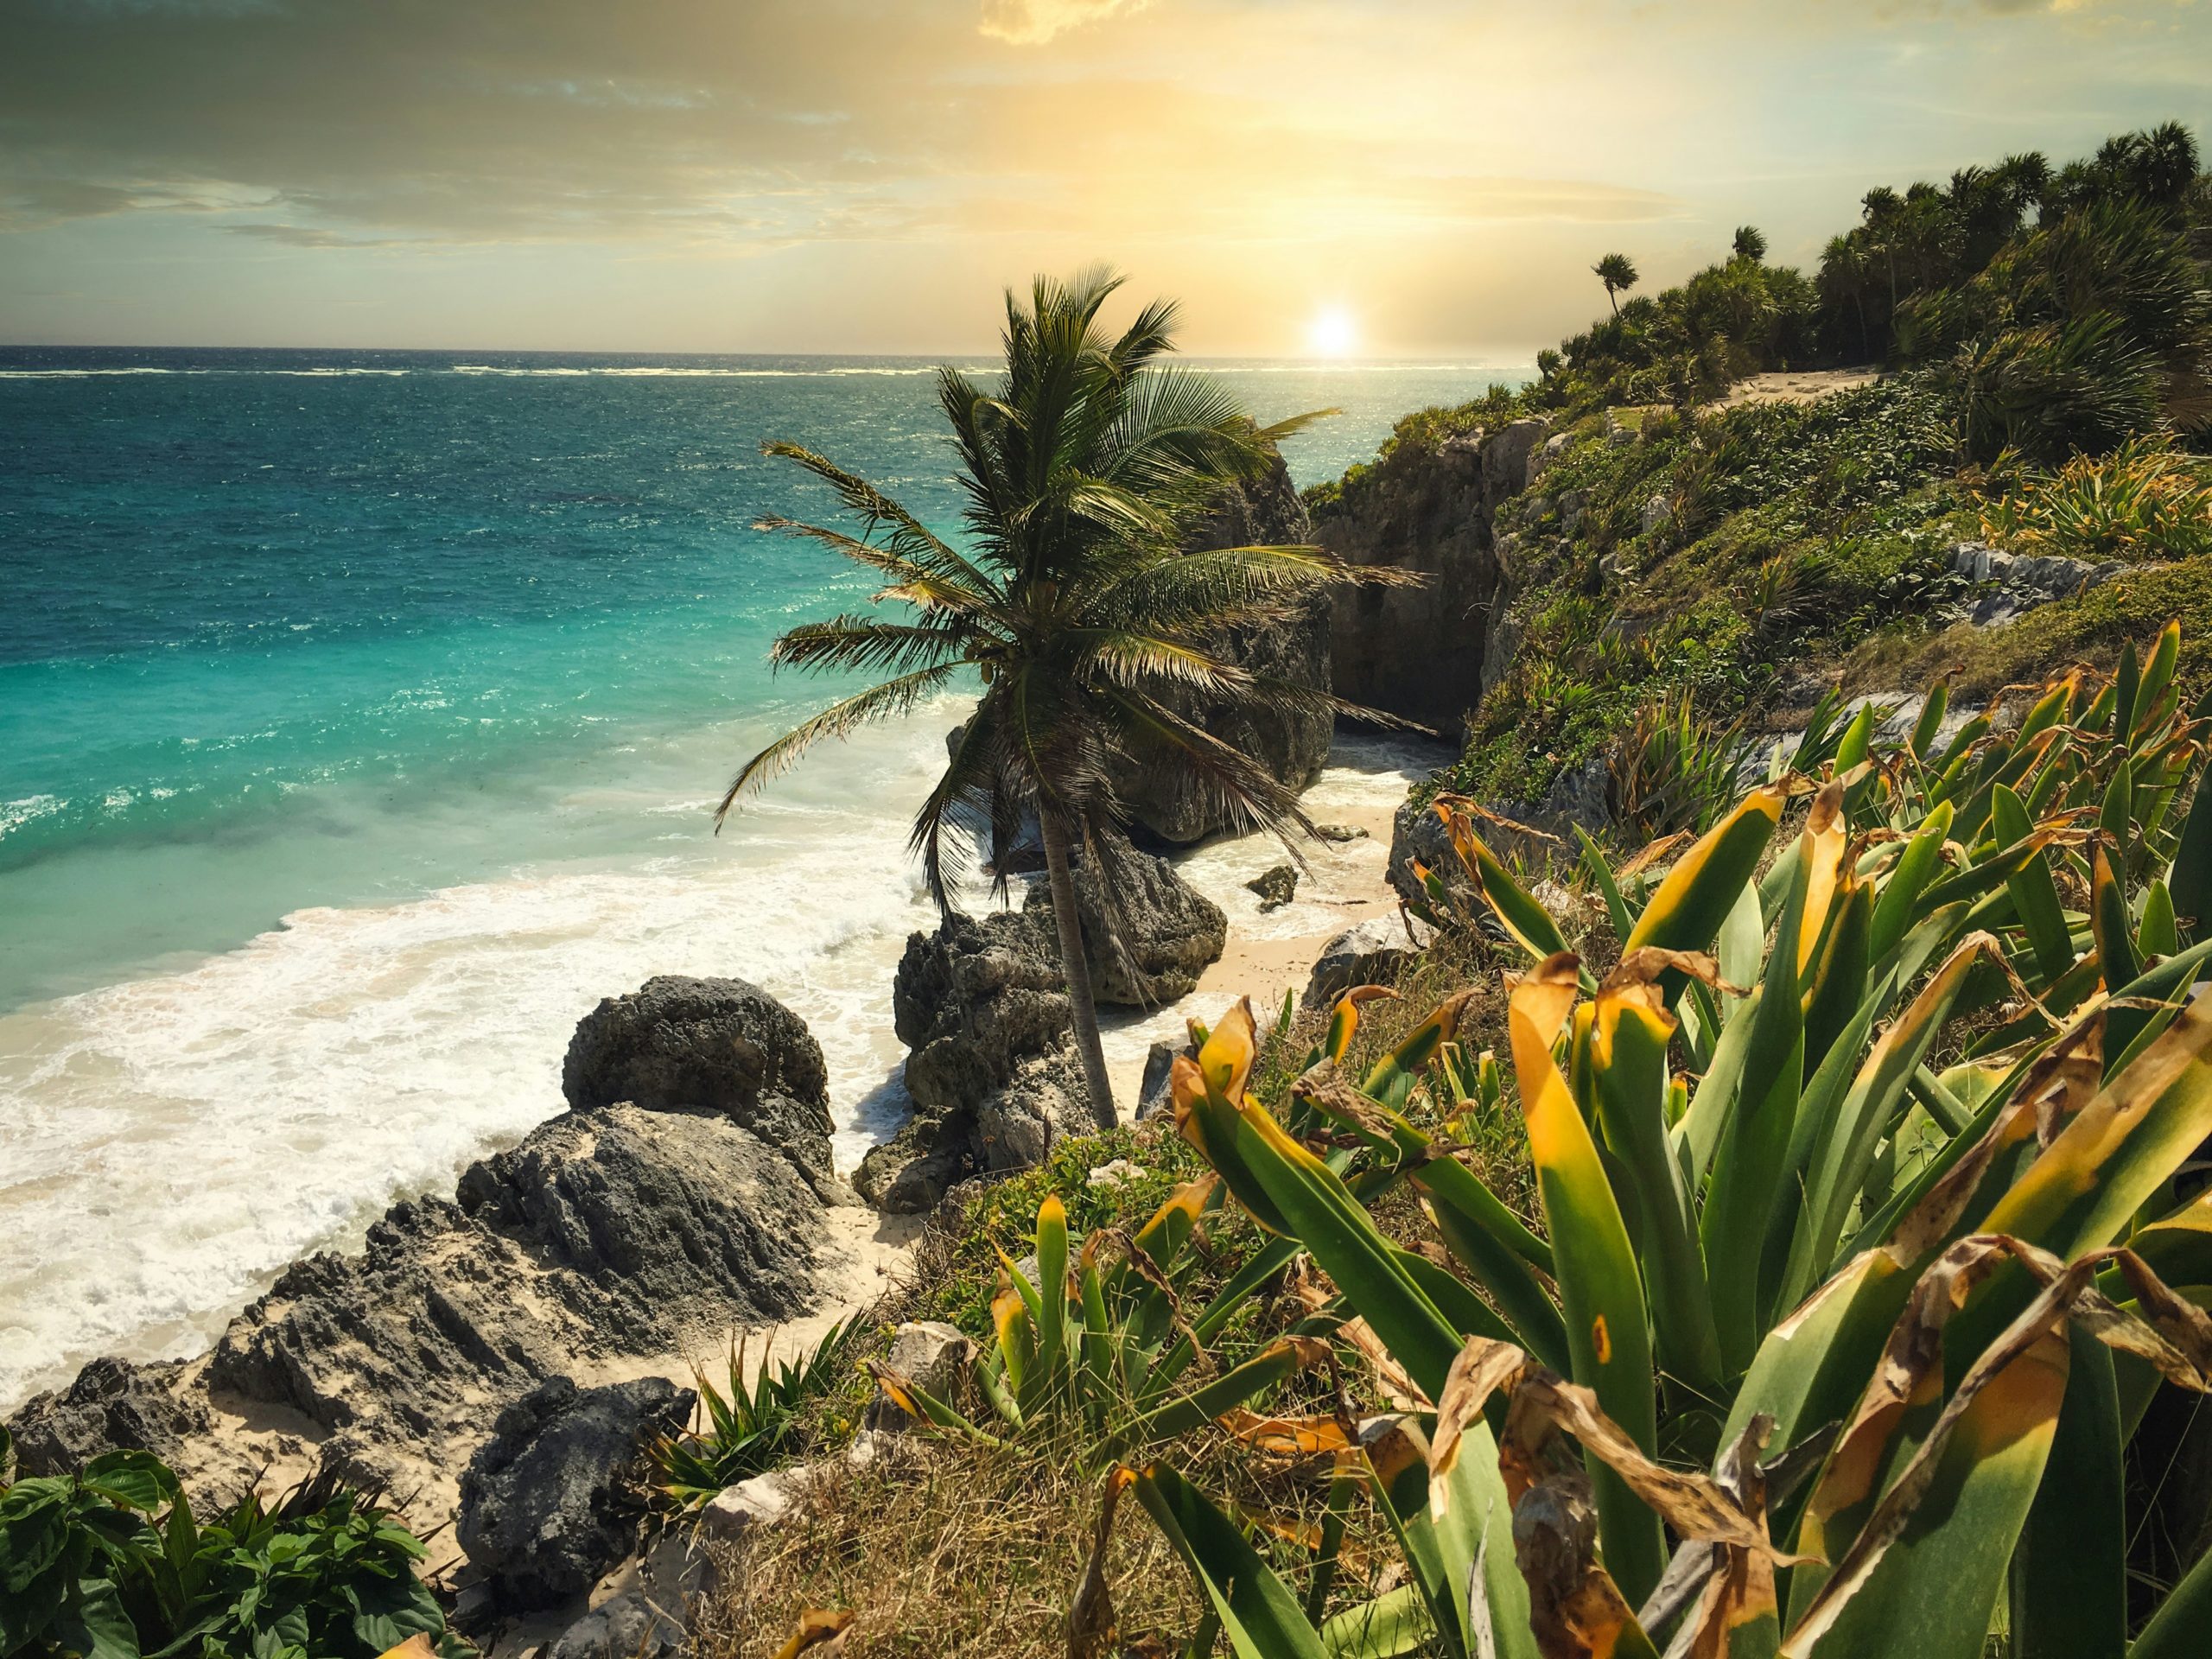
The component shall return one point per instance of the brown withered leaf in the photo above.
(2170, 1331)
(1091, 1621)
(820, 1631)
(1286, 1437)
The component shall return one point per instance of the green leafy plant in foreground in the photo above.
(749, 1427)
(1891, 1256)
(110, 1563)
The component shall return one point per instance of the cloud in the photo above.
(1032, 23)
(303, 236)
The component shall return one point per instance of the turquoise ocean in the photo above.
(361, 716)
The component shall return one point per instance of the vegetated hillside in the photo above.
(1674, 567)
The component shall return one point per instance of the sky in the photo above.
(1410, 179)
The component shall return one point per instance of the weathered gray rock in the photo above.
(929, 1354)
(111, 1404)
(1292, 742)
(721, 1045)
(1153, 1094)
(1169, 931)
(1276, 888)
(1419, 652)
(1339, 832)
(2022, 582)
(553, 1499)
(1372, 953)
(762, 1501)
(630, 1625)
(1655, 515)
(1042, 1104)
(606, 1233)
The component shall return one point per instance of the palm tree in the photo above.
(1750, 244)
(1074, 601)
(1618, 273)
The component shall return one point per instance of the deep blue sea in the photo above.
(360, 714)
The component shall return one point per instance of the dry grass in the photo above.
(943, 1547)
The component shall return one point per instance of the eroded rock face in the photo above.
(1292, 743)
(112, 1404)
(981, 1005)
(605, 1233)
(552, 1499)
(720, 1044)
(1419, 652)
(1170, 932)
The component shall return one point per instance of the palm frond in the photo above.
(864, 645)
(893, 697)
(910, 539)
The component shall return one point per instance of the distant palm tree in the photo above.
(1750, 244)
(1074, 598)
(1617, 272)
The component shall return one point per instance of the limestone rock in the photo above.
(1419, 651)
(1366, 955)
(626, 1626)
(551, 1500)
(722, 1045)
(1340, 832)
(1152, 1093)
(929, 1354)
(1276, 888)
(1169, 931)
(2022, 582)
(112, 1404)
(762, 1501)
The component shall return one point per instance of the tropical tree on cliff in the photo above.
(1074, 596)
(1750, 244)
(1618, 273)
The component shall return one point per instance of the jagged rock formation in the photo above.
(718, 1045)
(981, 1005)
(610, 1233)
(1420, 652)
(552, 1499)
(1292, 743)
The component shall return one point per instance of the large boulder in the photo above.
(1168, 933)
(1418, 651)
(1373, 953)
(981, 1005)
(553, 1499)
(721, 1044)
(1292, 742)
(614, 1232)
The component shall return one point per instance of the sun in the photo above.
(1332, 332)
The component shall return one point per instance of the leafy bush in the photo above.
(110, 1562)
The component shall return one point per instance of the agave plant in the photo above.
(748, 1425)
(1092, 1343)
(1858, 1183)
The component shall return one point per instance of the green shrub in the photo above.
(110, 1562)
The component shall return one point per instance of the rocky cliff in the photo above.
(1421, 652)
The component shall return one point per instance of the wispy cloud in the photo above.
(1032, 23)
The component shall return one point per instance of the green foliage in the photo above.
(1074, 597)
(110, 1563)
(750, 1426)
(2146, 500)
(1898, 1373)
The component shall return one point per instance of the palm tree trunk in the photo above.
(1614, 297)
(1082, 1005)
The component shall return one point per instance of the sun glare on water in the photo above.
(1333, 333)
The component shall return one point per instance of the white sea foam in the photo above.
(169, 1144)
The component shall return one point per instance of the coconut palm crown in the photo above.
(1075, 598)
